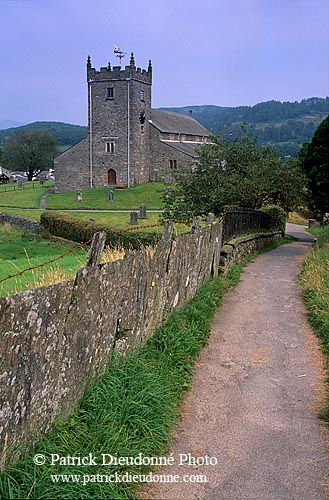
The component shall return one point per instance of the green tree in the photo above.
(287, 185)
(314, 158)
(235, 172)
(30, 151)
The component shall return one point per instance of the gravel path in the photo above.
(253, 404)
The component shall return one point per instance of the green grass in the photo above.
(20, 250)
(149, 194)
(314, 280)
(29, 197)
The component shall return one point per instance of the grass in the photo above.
(300, 216)
(29, 197)
(149, 194)
(314, 280)
(20, 250)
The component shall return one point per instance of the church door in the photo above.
(111, 177)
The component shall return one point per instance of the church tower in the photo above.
(119, 107)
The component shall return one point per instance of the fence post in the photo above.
(96, 249)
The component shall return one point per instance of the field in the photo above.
(27, 197)
(20, 250)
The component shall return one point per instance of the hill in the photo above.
(284, 125)
(66, 134)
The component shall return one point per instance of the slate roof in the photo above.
(189, 148)
(167, 121)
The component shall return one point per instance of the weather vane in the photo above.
(118, 52)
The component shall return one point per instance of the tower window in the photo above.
(110, 93)
(110, 147)
(142, 95)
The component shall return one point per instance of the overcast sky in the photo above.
(222, 52)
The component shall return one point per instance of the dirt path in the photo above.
(255, 395)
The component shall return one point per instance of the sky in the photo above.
(220, 52)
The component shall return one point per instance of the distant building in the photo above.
(128, 142)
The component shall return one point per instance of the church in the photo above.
(128, 142)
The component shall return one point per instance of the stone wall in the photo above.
(72, 168)
(56, 339)
(238, 249)
(16, 220)
(161, 153)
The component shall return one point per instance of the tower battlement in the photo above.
(118, 73)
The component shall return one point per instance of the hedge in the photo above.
(80, 231)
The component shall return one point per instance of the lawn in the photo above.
(27, 197)
(20, 250)
(149, 194)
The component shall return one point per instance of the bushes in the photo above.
(279, 214)
(74, 229)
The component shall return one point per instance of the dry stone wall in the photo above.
(56, 339)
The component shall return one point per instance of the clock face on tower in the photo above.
(142, 117)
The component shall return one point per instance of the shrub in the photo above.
(74, 229)
(279, 214)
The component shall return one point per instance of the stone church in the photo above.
(128, 142)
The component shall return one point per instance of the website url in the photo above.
(85, 479)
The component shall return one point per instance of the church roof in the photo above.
(188, 148)
(167, 121)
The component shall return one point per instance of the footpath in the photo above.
(252, 409)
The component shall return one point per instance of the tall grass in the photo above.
(314, 280)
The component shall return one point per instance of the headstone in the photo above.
(195, 224)
(311, 223)
(133, 218)
(42, 180)
(11, 179)
(79, 196)
(142, 212)
(111, 196)
(210, 219)
(168, 193)
(20, 184)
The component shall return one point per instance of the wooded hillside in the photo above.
(285, 125)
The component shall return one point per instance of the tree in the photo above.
(314, 158)
(30, 151)
(234, 172)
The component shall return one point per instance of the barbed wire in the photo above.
(81, 245)
(31, 268)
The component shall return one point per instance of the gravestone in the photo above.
(79, 196)
(20, 184)
(196, 224)
(142, 212)
(133, 218)
(210, 219)
(111, 196)
(42, 180)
